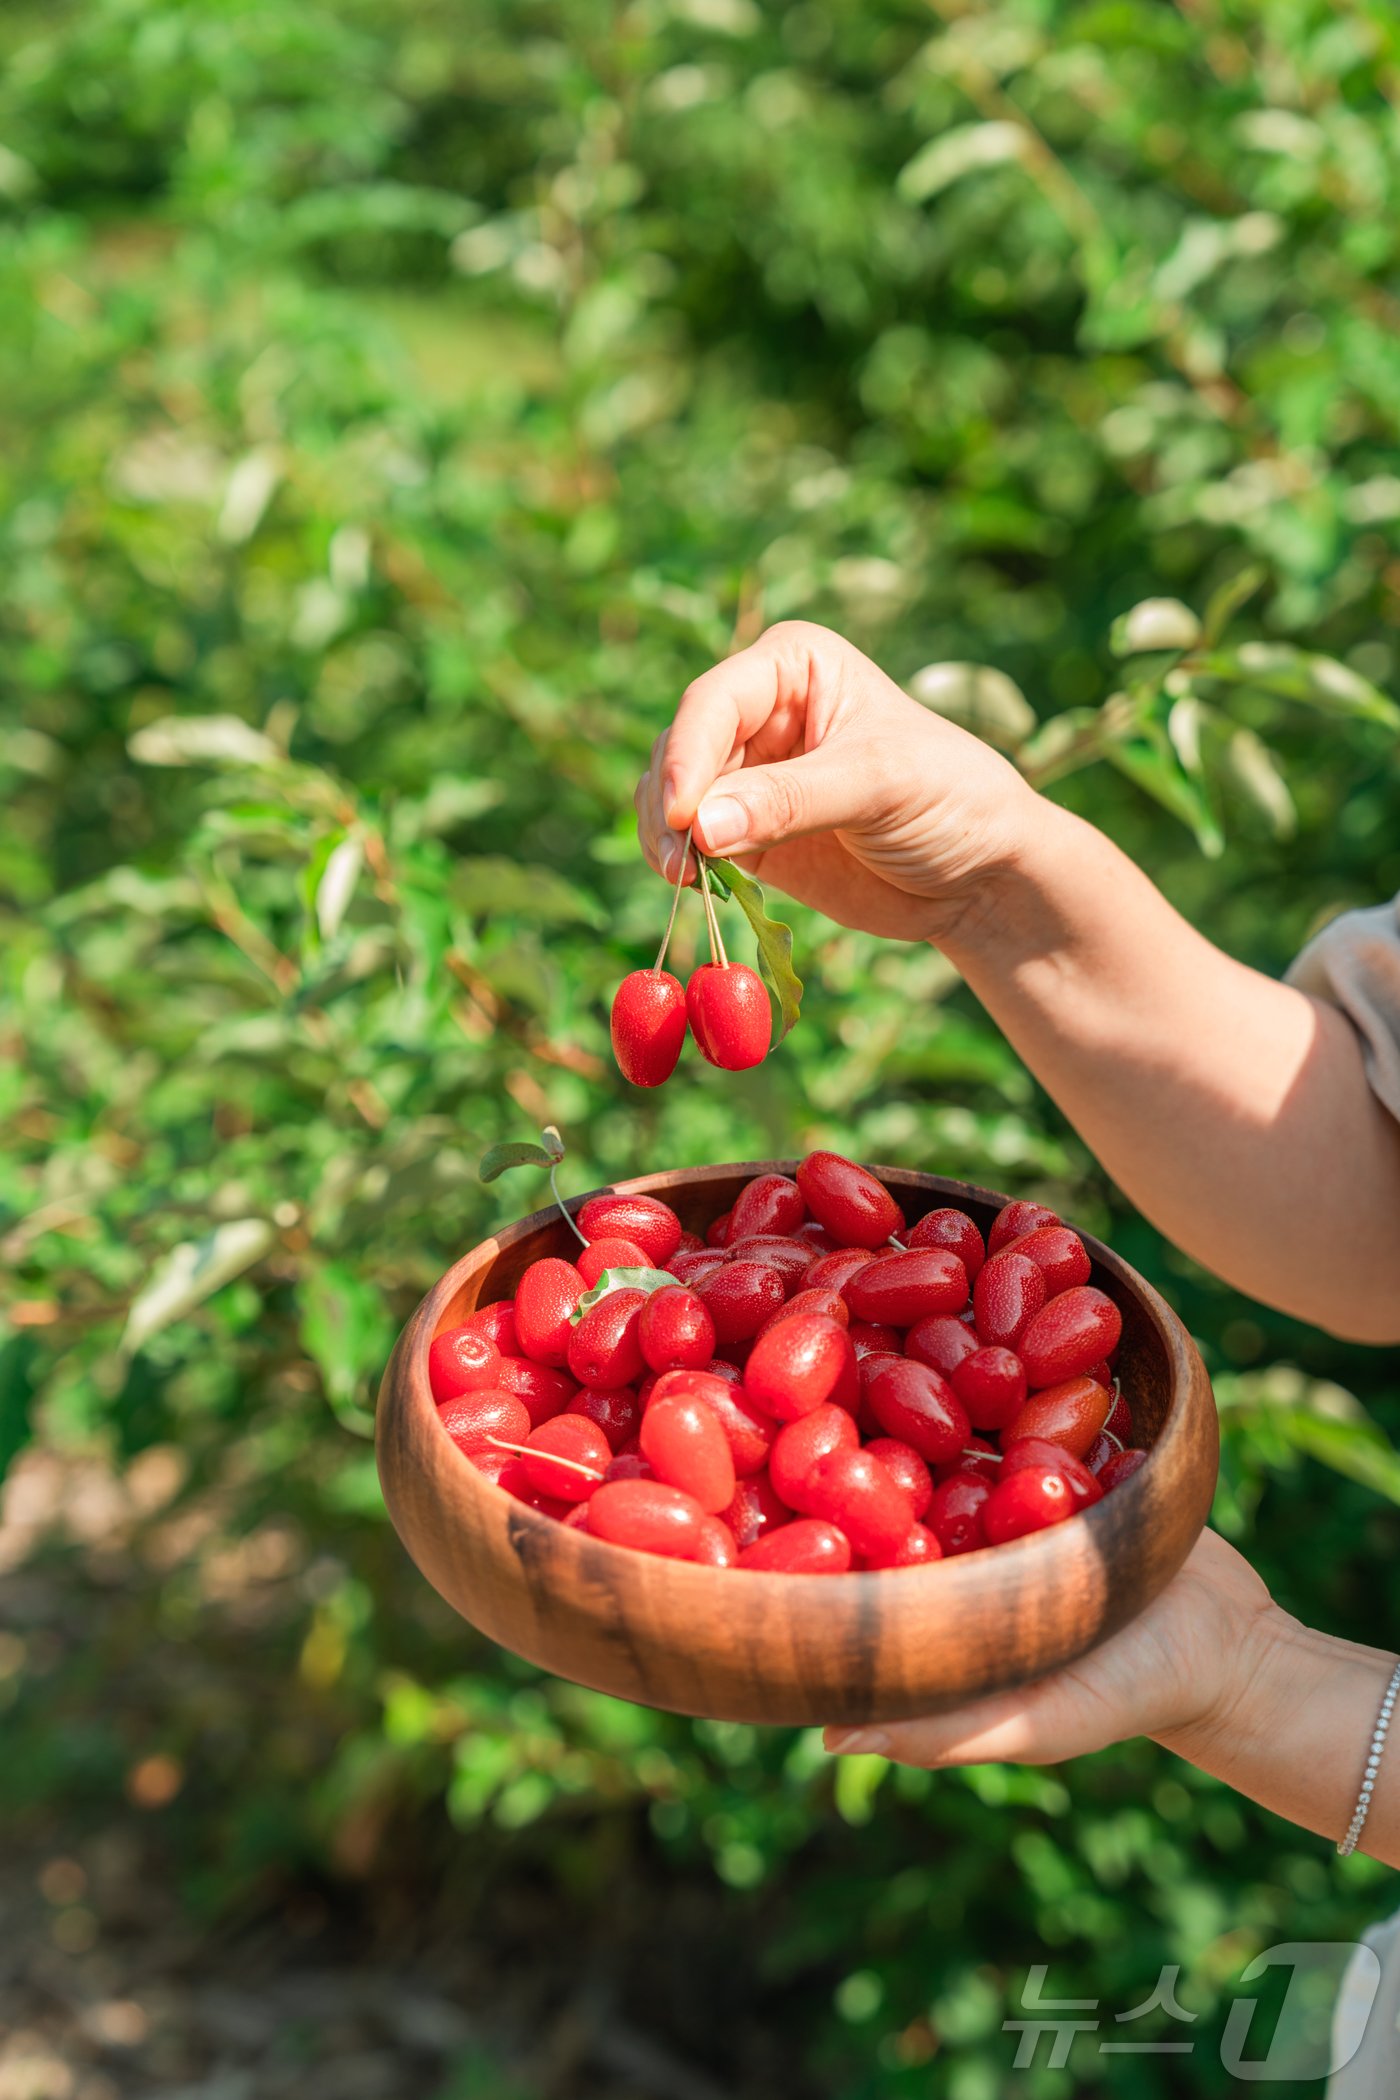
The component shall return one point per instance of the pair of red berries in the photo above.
(725, 1007)
(803, 1397)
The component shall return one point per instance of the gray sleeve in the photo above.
(1354, 964)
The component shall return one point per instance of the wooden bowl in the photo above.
(794, 1648)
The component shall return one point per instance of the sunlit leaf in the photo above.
(961, 151)
(979, 698)
(502, 1157)
(1319, 682)
(337, 884)
(202, 740)
(1157, 623)
(192, 1272)
(621, 1280)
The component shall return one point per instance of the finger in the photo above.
(761, 806)
(724, 708)
(1007, 1728)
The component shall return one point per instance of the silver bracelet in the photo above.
(1373, 1765)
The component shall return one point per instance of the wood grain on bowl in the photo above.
(794, 1649)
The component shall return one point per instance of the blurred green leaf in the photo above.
(978, 698)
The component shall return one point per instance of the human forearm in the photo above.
(1295, 1730)
(1233, 1109)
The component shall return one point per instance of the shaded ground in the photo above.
(434, 1976)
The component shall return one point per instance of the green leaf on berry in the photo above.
(621, 1280)
(502, 1157)
(773, 937)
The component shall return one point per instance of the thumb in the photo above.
(762, 805)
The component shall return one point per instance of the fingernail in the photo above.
(858, 1742)
(669, 855)
(724, 823)
(670, 788)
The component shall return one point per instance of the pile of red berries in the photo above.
(812, 1387)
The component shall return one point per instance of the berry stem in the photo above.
(575, 1465)
(675, 900)
(898, 1245)
(564, 1212)
(716, 937)
(971, 1451)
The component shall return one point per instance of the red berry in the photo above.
(1103, 1448)
(497, 1323)
(648, 1026)
(955, 1513)
(991, 1384)
(953, 1229)
(816, 1235)
(904, 1465)
(720, 1367)
(740, 1297)
(852, 1490)
(1120, 1421)
(869, 1338)
(730, 1015)
(978, 1459)
(749, 1430)
(915, 1404)
(609, 1253)
(692, 1269)
(1070, 1333)
(856, 1209)
(690, 1243)
(647, 1516)
(1059, 1253)
(604, 1348)
(1007, 1295)
(1015, 1219)
(942, 1341)
(907, 1287)
(791, 1258)
(688, 1449)
(675, 1330)
(494, 1465)
(717, 1234)
(575, 1517)
(755, 1510)
(805, 1547)
(545, 1391)
(800, 1444)
(544, 1297)
(915, 1550)
(1034, 1453)
(616, 1409)
(654, 1226)
(770, 1203)
(1029, 1500)
(629, 1465)
(799, 1364)
(472, 1419)
(1120, 1467)
(715, 1544)
(832, 1272)
(460, 1361)
(567, 1437)
(824, 1302)
(1070, 1415)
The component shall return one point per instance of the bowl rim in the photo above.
(894, 1583)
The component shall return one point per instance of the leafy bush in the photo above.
(399, 407)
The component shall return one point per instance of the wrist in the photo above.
(1022, 905)
(1270, 1652)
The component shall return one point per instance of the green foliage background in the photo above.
(399, 405)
